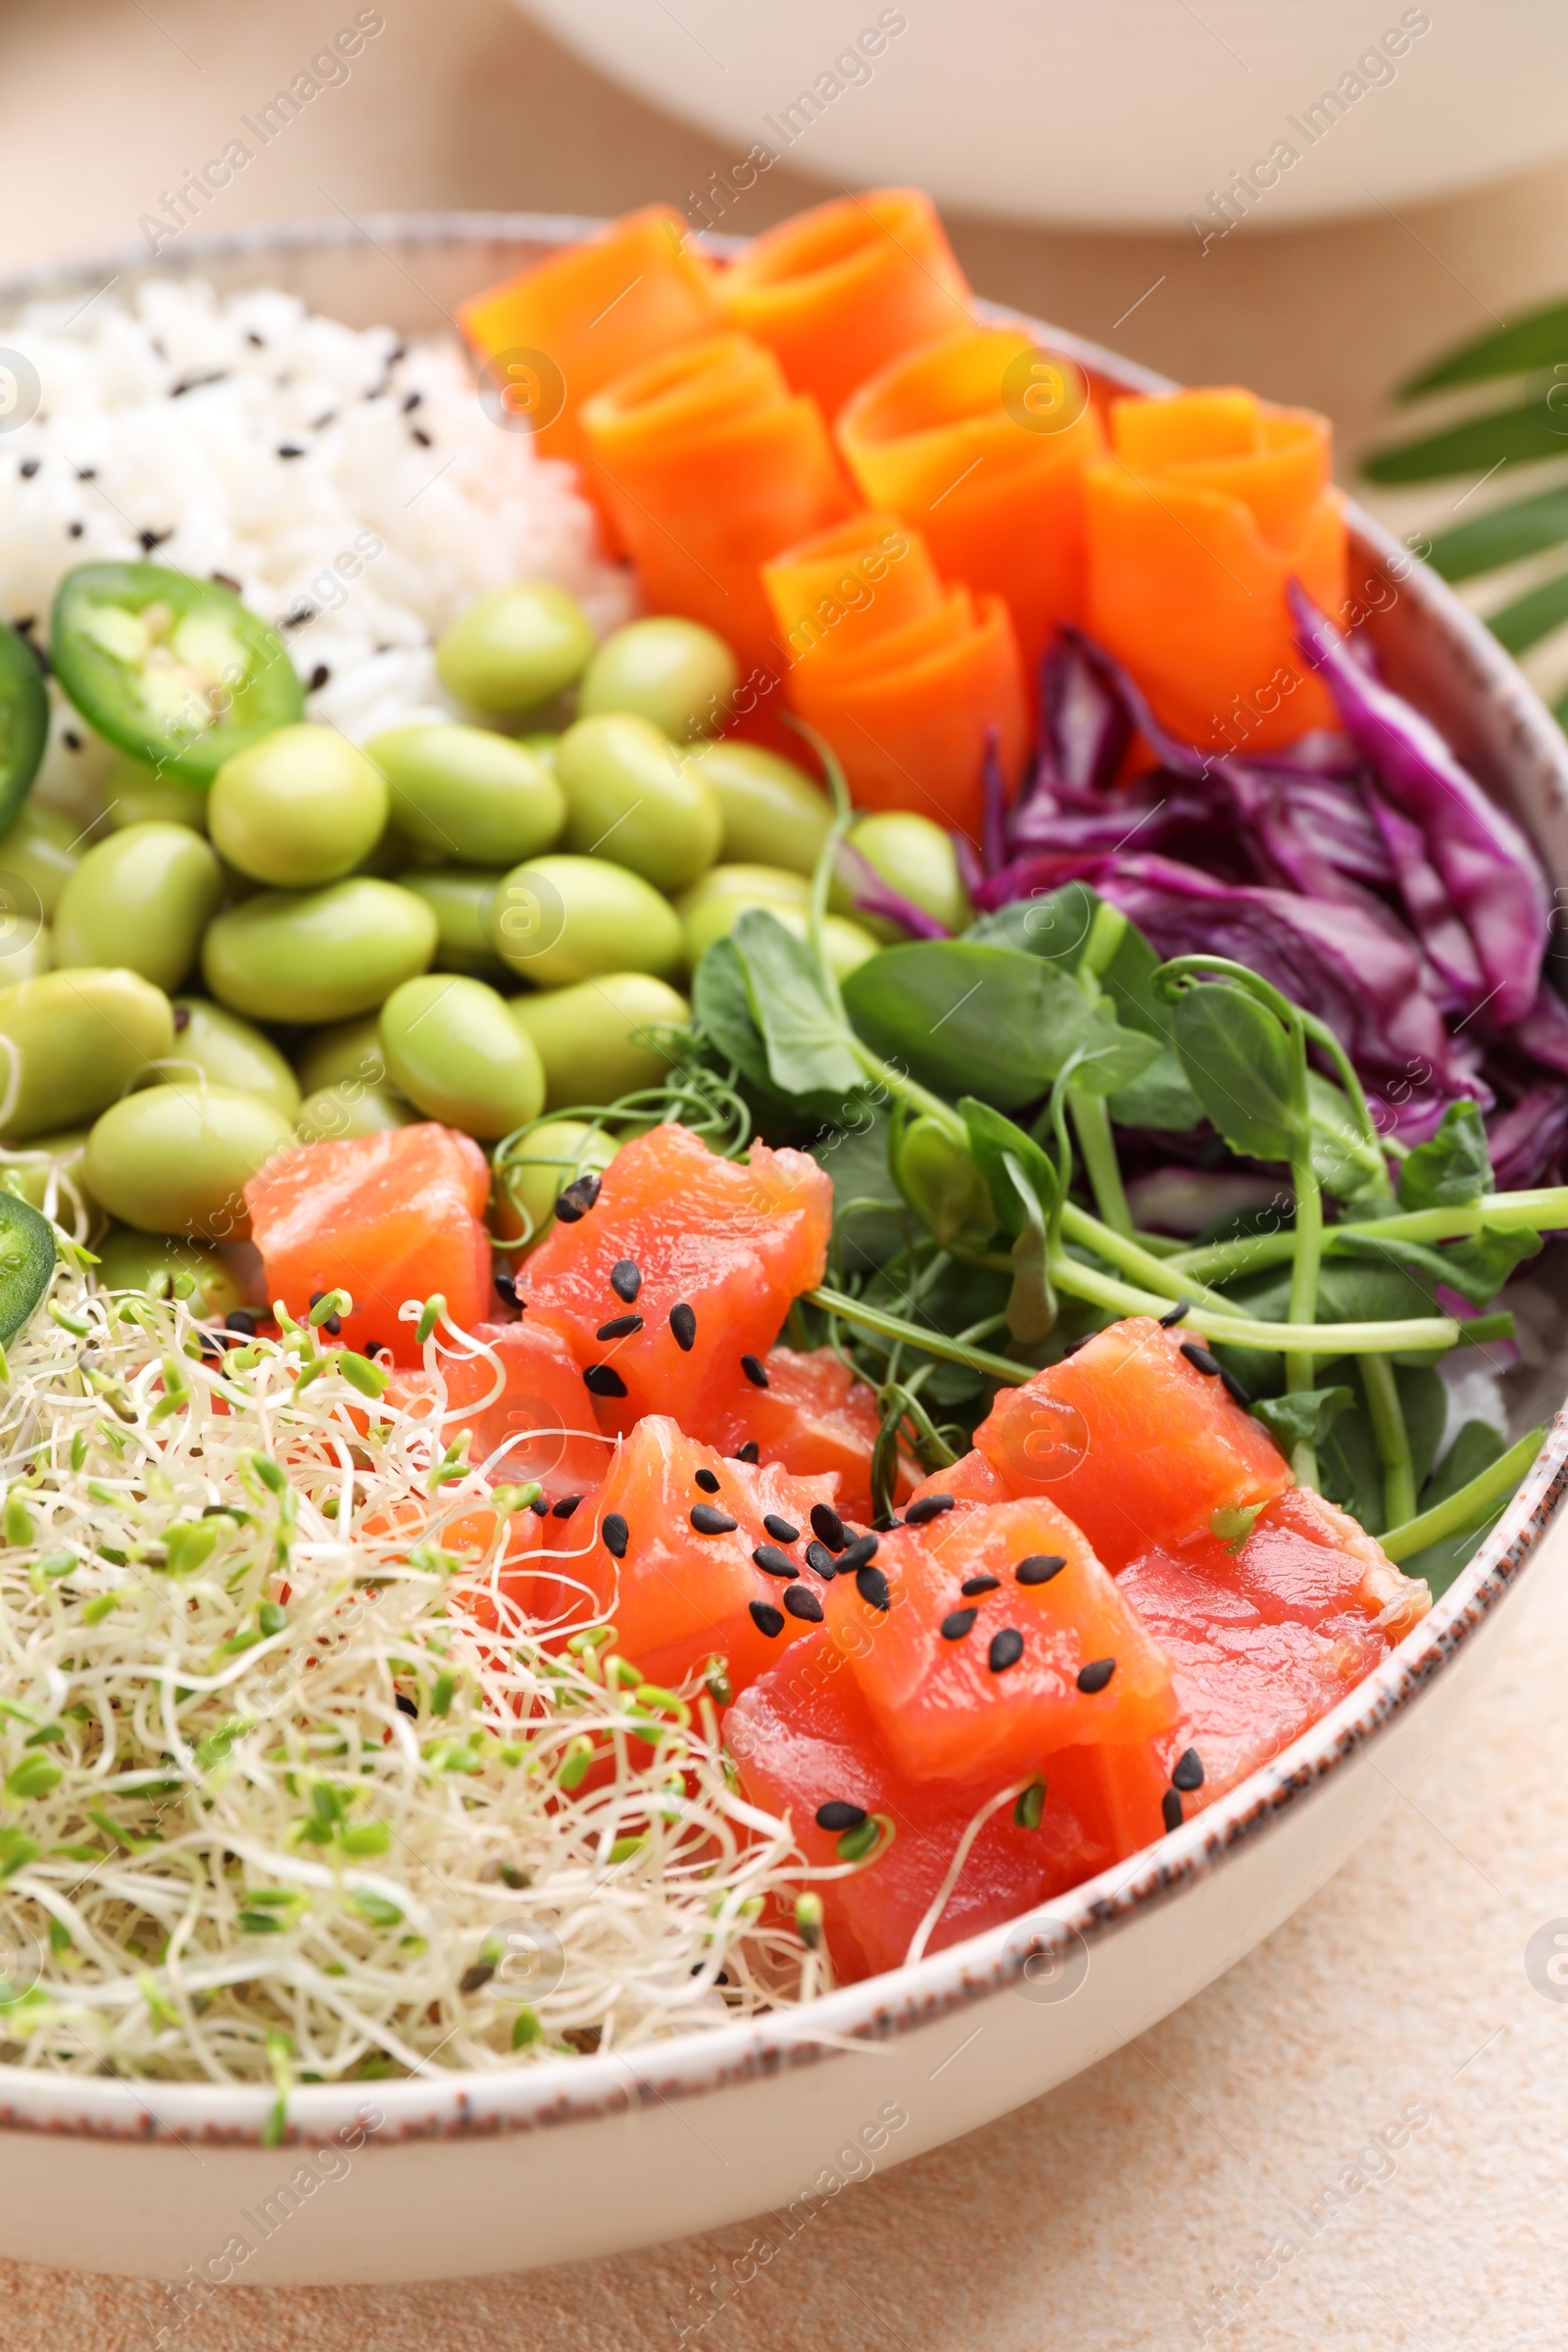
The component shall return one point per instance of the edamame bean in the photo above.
(137, 795)
(27, 1174)
(334, 1113)
(214, 1045)
(559, 921)
(534, 1173)
(515, 648)
(453, 1050)
(298, 808)
(674, 673)
(74, 1042)
(846, 945)
(773, 814)
(38, 854)
(129, 1260)
(630, 795)
(585, 1035)
(917, 858)
(467, 794)
(26, 948)
(710, 909)
(140, 900)
(178, 1158)
(459, 897)
(350, 1051)
(318, 954)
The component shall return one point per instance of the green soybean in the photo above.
(710, 909)
(298, 808)
(27, 1174)
(218, 1046)
(559, 921)
(515, 648)
(674, 673)
(459, 897)
(140, 900)
(178, 1158)
(585, 1035)
(534, 1173)
(917, 858)
(846, 945)
(74, 1042)
(26, 948)
(470, 795)
(136, 795)
(318, 954)
(349, 1052)
(773, 815)
(632, 797)
(452, 1047)
(129, 1260)
(38, 854)
(334, 1113)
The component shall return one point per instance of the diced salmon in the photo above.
(812, 1417)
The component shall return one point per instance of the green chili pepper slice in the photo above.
(172, 670)
(24, 721)
(26, 1261)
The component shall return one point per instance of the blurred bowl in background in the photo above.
(1127, 113)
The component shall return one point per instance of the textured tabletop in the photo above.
(1235, 2139)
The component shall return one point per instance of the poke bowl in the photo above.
(585, 1946)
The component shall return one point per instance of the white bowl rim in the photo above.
(560, 2090)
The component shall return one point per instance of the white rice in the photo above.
(116, 450)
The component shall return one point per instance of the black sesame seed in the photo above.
(74, 530)
(617, 1534)
(1040, 1567)
(754, 1371)
(751, 1451)
(252, 337)
(826, 1523)
(507, 1287)
(622, 1328)
(564, 1508)
(684, 1326)
(625, 1278)
(603, 1381)
(412, 402)
(839, 1814)
(1202, 1360)
(241, 1319)
(872, 1587)
(1188, 1773)
(1234, 1389)
(540, 1506)
(856, 1554)
(770, 1560)
(820, 1561)
(578, 1199)
(801, 1601)
(957, 1623)
(765, 1618)
(1170, 1806)
(226, 580)
(195, 383)
(973, 1584)
(780, 1529)
(318, 677)
(710, 1520)
(86, 473)
(182, 1023)
(1073, 1346)
(406, 1705)
(708, 1480)
(73, 743)
(373, 1348)
(29, 467)
(421, 436)
(929, 1506)
(1007, 1649)
(291, 449)
(1096, 1675)
(1181, 1309)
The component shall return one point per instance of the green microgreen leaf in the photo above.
(801, 1027)
(1454, 1169)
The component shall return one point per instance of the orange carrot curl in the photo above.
(980, 442)
(1209, 502)
(841, 289)
(709, 463)
(905, 679)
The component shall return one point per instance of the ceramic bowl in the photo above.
(455, 2175)
(1124, 113)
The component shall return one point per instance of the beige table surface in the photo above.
(1097, 2219)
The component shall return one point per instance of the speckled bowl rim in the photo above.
(559, 2091)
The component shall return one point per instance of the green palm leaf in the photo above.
(1525, 434)
(1532, 616)
(1501, 537)
(1534, 342)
